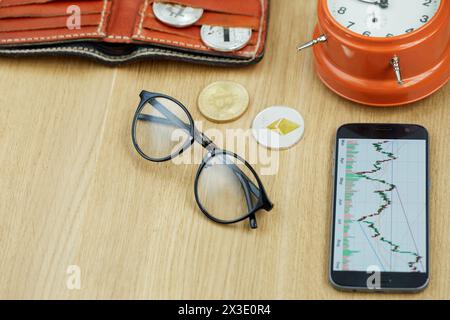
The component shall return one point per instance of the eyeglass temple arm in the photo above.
(150, 118)
(200, 137)
(248, 199)
(174, 120)
(253, 188)
(170, 117)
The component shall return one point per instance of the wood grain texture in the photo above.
(74, 192)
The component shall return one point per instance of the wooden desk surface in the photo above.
(74, 192)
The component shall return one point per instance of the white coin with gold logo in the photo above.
(278, 127)
(223, 101)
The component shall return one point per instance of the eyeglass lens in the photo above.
(162, 128)
(227, 188)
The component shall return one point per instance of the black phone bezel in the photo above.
(390, 281)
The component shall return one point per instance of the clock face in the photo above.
(383, 18)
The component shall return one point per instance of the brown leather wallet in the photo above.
(117, 31)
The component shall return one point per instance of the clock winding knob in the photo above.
(312, 43)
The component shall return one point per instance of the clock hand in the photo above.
(382, 3)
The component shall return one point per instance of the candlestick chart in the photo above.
(380, 205)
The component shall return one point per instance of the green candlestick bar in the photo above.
(350, 180)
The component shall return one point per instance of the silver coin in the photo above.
(176, 15)
(225, 39)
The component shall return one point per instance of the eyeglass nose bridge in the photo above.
(205, 142)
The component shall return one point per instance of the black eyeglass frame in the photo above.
(263, 202)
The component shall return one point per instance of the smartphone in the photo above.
(380, 237)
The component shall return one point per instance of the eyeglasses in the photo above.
(227, 189)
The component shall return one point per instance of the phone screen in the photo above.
(381, 206)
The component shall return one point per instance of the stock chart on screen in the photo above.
(380, 209)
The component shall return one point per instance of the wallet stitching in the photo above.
(119, 37)
(138, 53)
(102, 19)
(243, 53)
(64, 36)
(141, 22)
(261, 26)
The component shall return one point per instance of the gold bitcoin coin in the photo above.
(223, 101)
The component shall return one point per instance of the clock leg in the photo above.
(395, 61)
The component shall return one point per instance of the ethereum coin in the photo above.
(223, 101)
(278, 127)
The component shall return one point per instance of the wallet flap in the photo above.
(7, 3)
(249, 14)
(55, 10)
(247, 7)
(128, 23)
(38, 21)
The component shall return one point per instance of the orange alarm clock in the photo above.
(382, 52)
